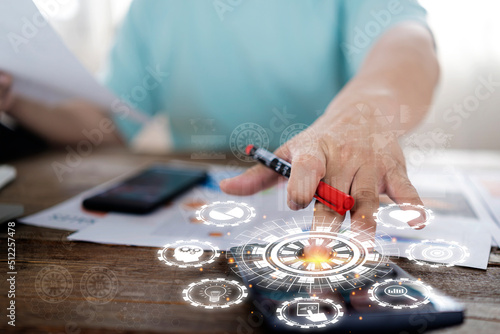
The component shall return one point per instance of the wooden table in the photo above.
(148, 296)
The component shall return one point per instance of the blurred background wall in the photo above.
(466, 111)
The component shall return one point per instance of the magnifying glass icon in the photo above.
(398, 291)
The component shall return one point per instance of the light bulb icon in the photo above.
(214, 293)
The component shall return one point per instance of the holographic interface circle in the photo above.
(398, 215)
(188, 253)
(311, 312)
(215, 293)
(53, 284)
(437, 253)
(400, 293)
(228, 213)
(244, 135)
(99, 285)
(307, 140)
(273, 257)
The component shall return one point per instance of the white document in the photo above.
(70, 215)
(178, 220)
(458, 217)
(487, 185)
(42, 67)
(457, 214)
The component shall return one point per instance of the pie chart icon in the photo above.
(229, 213)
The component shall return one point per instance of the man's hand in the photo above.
(59, 124)
(355, 142)
(352, 152)
(6, 97)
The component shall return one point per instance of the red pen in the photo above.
(326, 194)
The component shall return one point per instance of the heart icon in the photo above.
(404, 215)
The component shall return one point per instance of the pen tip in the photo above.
(249, 148)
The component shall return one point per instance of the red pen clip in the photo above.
(333, 198)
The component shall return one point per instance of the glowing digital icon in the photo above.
(54, 284)
(228, 213)
(304, 309)
(437, 253)
(397, 291)
(215, 293)
(309, 312)
(401, 293)
(99, 285)
(188, 253)
(273, 256)
(404, 215)
(307, 142)
(399, 215)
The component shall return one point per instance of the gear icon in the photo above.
(188, 253)
(398, 215)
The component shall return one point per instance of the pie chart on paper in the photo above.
(228, 213)
(232, 213)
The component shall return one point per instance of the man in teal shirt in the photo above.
(354, 75)
(238, 61)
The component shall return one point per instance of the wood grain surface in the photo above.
(148, 296)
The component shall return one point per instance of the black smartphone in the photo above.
(147, 190)
(377, 307)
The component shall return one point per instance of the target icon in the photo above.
(437, 253)
(273, 256)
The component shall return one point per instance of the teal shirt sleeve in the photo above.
(128, 71)
(364, 21)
